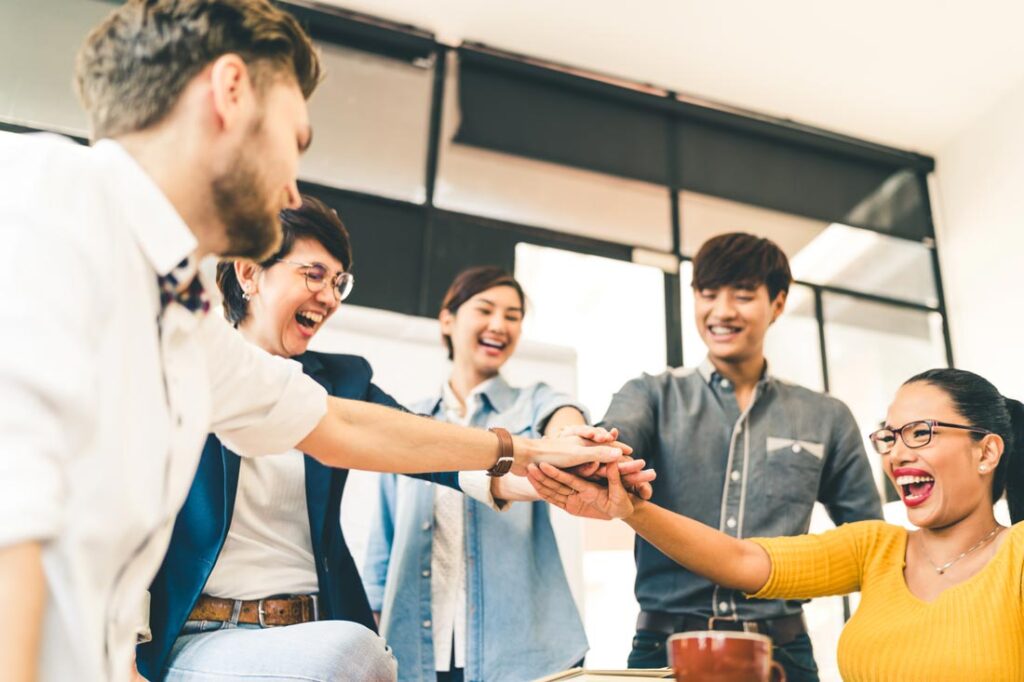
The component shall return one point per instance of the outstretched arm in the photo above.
(359, 435)
(737, 564)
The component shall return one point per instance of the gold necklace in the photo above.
(941, 570)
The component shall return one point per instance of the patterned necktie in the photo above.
(193, 296)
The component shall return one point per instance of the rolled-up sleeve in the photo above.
(262, 404)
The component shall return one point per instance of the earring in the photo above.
(982, 468)
(246, 295)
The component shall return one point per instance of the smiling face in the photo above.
(940, 483)
(284, 315)
(732, 320)
(485, 329)
(259, 178)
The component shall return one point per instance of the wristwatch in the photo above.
(505, 458)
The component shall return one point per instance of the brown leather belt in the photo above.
(269, 612)
(781, 630)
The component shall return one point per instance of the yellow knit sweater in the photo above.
(972, 631)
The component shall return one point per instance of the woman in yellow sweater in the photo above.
(945, 602)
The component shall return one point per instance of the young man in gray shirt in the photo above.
(739, 450)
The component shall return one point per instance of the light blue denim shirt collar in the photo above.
(498, 395)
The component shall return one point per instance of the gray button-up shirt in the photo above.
(751, 474)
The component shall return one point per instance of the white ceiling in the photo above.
(909, 73)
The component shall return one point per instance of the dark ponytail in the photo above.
(982, 405)
(1010, 472)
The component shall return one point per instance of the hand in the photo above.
(570, 449)
(581, 497)
(636, 480)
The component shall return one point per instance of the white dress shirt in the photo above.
(105, 413)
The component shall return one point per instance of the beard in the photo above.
(252, 228)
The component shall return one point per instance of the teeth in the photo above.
(715, 329)
(315, 318)
(907, 480)
(491, 344)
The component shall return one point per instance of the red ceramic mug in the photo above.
(717, 656)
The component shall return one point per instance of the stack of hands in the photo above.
(601, 490)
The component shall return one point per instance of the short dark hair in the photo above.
(741, 259)
(133, 67)
(313, 220)
(982, 405)
(471, 282)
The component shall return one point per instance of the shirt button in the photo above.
(426, 623)
(425, 574)
(426, 525)
(796, 447)
(731, 522)
(735, 475)
(179, 420)
(724, 383)
(723, 606)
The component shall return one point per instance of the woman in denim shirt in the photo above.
(465, 589)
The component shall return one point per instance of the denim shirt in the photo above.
(750, 474)
(522, 622)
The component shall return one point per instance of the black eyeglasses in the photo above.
(317, 277)
(915, 434)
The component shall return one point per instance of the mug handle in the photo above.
(778, 674)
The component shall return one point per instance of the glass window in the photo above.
(612, 312)
(549, 195)
(872, 348)
(703, 216)
(38, 43)
(371, 119)
(791, 345)
(819, 252)
(862, 260)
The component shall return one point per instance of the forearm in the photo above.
(22, 591)
(727, 561)
(562, 417)
(359, 435)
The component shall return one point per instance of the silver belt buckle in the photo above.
(261, 614)
(725, 619)
(316, 606)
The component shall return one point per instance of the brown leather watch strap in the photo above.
(505, 452)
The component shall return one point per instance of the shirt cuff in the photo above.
(477, 484)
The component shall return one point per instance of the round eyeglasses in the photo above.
(317, 277)
(915, 434)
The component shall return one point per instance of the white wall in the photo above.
(980, 229)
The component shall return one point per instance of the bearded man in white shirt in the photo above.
(111, 375)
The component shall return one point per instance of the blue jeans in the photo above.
(796, 657)
(322, 651)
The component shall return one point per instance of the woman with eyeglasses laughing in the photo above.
(944, 602)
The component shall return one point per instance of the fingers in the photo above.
(539, 477)
(645, 476)
(630, 465)
(642, 490)
(585, 470)
(563, 477)
(591, 433)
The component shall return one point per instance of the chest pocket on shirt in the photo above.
(794, 469)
